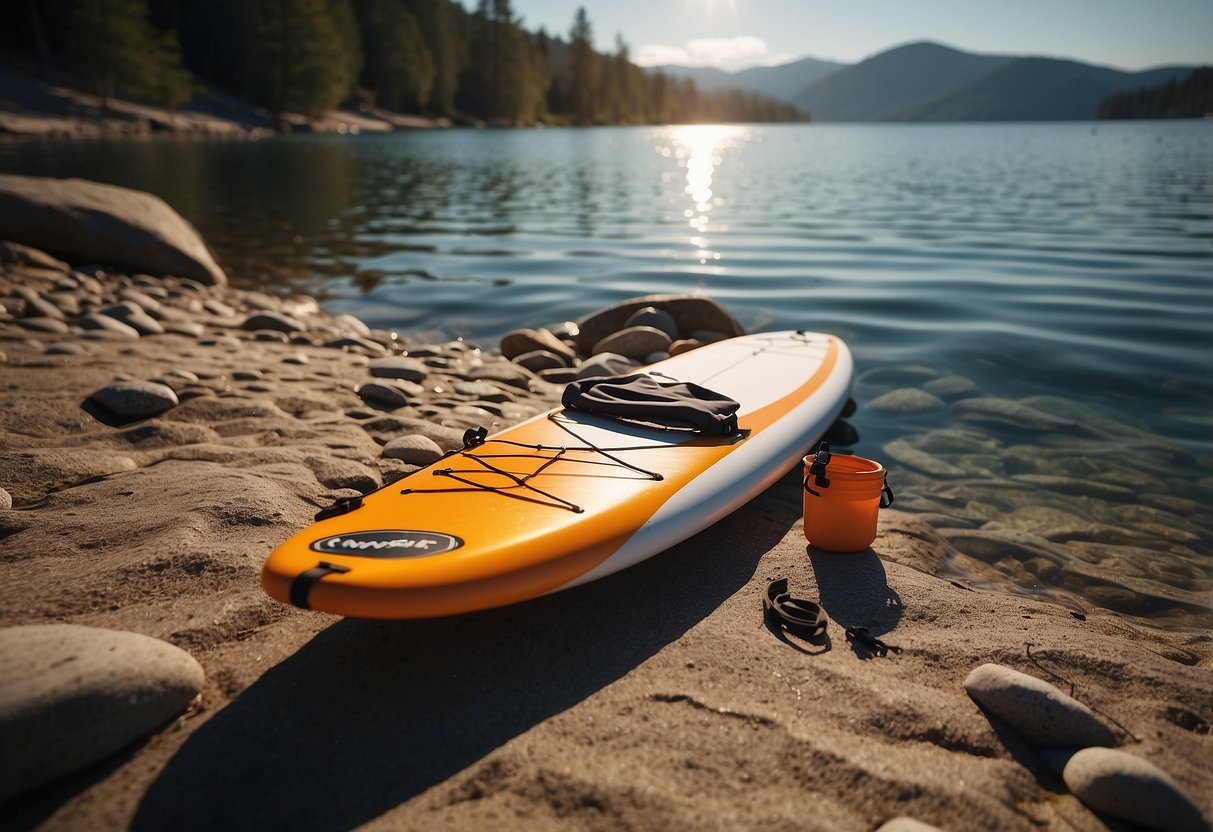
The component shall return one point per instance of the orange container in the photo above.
(841, 506)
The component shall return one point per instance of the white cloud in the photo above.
(726, 53)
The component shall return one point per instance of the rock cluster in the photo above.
(1106, 780)
(621, 338)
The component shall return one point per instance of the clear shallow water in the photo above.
(1062, 268)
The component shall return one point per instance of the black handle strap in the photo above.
(304, 581)
(803, 618)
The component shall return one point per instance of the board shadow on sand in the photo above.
(370, 714)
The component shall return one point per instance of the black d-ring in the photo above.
(798, 616)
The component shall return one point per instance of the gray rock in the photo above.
(133, 316)
(244, 375)
(689, 311)
(16, 253)
(143, 300)
(6, 500)
(66, 348)
(55, 326)
(95, 320)
(384, 394)
(522, 341)
(906, 400)
(656, 318)
(654, 357)
(86, 221)
(36, 306)
(399, 367)
(634, 342)
(483, 391)
(1127, 787)
(902, 452)
(71, 695)
(414, 449)
(1007, 412)
(136, 399)
(504, 372)
(348, 323)
(273, 321)
(540, 360)
(1039, 712)
(603, 364)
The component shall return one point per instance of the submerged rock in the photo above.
(1039, 712)
(71, 695)
(906, 400)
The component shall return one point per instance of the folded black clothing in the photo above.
(640, 397)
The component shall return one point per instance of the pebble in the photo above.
(655, 357)
(604, 364)
(145, 301)
(907, 400)
(296, 358)
(1039, 712)
(521, 341)
(562, 375)
(1129, 788)
(399, 367)
(651, 316)
(276, 321)
(384, 394)
(414, 449)
(504, 372)
(106, 323)
(55, 326)
(708, 336)
(6, 500)
(72, 695)
(130, 314)
(66, 348)
(483, 391)
(634, 342)
(245, 375)
(190, 329)
(38, 307)
(136, 399)
(270, 335)
(951, 387)
(353, 325)
(540, 360)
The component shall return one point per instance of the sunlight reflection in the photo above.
(700, 150)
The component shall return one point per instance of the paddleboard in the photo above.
(566, 497)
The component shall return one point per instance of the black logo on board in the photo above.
(387, 543)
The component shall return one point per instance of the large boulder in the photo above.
(690, 313)
(88, 222)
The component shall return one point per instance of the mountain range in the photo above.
(932, 82)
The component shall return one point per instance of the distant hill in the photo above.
(782, 81)
(881, 87)
(1035, 89)
(932, 82)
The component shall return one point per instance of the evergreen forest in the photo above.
(426, 57)
(1190, 98)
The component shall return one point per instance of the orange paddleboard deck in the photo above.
(566, 497)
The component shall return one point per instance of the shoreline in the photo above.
(655, 697)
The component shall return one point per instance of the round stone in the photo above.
(414, 449)
(387, 394)
(272, 320)
(399, 367)
(106, 323)
(655, 318)
(133, 316)
(1129, 788)
(6, 500)
(540, 360)
(634, 342)
(71, 695)
(136, 399)
(1039, 712)
(522, 341)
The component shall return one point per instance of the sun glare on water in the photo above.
(700, 149)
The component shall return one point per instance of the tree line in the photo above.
(1190, 98)
(430, 57)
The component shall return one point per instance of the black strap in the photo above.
(304, 581)
(804, 618)
(869, 642)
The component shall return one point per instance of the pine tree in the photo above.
(307, 54)
(399, 67)
(111, 40)
(581, 71)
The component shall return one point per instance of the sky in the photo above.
(734, 34)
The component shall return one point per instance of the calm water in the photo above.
(1062, 268)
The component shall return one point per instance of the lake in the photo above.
(1030, 305)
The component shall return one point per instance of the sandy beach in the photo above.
(656, 698)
